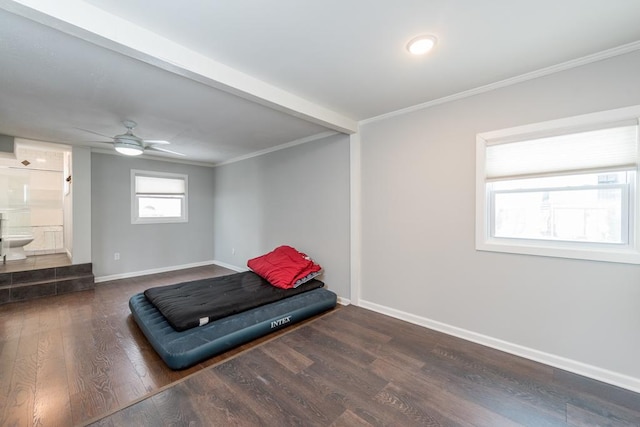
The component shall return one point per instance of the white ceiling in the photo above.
(224, 79)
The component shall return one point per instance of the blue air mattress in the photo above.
(180, 350)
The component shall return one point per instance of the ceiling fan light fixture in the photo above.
(422, 44)
(128, 148)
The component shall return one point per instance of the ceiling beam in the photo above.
(85, 21)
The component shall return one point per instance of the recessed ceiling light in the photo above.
(421, 44)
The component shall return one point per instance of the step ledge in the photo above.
(47, 281)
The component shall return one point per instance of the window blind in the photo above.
(610, 148)
(154, 185)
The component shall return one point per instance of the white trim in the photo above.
(599, 56)
(482, 219)
(137, 220)
(355, 183)
(590, 120)
(580, 368)
(344, 301)
(230, 266)
(88, 22)
(290, 144)
(623, 256)
(111, 277)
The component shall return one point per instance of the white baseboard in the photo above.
(100, 279)
(344, 301)
(230, 266)
(590, 371)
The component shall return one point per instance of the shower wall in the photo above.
(46, 212)
(31, 192)
(14, 201)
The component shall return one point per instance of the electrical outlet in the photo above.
(116, 256)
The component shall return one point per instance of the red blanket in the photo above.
(284, 267)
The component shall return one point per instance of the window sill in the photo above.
(159, 221)
(617, 255)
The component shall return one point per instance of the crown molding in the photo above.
(279, 147)
(574, 63)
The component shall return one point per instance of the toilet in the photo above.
(15, 245)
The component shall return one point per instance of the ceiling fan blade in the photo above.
(95, 133)
(164, 150)
(155, 141)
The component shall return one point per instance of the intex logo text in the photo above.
(280, 322)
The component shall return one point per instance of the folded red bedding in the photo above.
(284, 267)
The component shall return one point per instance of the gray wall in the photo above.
(80, 200)
(298, 196)
(146, 246)
(418, 204)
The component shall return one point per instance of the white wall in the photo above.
(418, 208)
(298, 196)
(145, 247)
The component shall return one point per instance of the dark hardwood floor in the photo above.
(67, 359)
(79, 359)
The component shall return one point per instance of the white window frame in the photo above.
(136, 219)
(627, 253)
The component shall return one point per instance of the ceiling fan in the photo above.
(132, 145)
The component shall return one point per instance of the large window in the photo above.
(158, 197)
(566, 188)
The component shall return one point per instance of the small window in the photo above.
(566, 188)
(158, 197)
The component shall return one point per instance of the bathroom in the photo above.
(33, 187)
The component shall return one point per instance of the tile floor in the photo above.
(35, 262)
